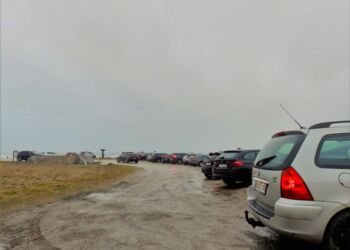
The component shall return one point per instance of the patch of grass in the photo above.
(30, 184)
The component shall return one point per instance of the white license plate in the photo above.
(261, 187)
(222, 166)
(208, 164)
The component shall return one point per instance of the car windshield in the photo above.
(279, 152)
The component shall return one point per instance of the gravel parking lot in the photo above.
(160, 207)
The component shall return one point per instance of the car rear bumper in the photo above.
(132, 159)
(304, 220)
(228, 172)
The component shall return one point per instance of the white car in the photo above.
(301, 185)
(88, 154)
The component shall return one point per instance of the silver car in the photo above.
(301, 185)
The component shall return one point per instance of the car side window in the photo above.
(334, 151)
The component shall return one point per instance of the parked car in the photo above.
(197, 160)
(301, 185)
(235, 165)
(87, 153)
(186, 159)
(157, 157)
(71, 154)
(25, 155)
(128, 157)
(207, 166)
(142, 156)
(165, 158)
(176, 158)
(50, 153)
(149, 156)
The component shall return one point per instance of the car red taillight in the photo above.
(293, 186)
(237, 164)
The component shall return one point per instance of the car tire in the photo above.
(209, 176)
(337, 235)
(229, 182)
(247, 181)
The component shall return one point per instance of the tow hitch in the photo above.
(253, 222)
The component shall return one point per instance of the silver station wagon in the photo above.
(301, 185)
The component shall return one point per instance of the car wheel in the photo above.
(136, 162)
(338, 233)
(209, 176)
(229, 182)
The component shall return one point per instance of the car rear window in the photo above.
(334, 151)
(279, 152)
(229, 155)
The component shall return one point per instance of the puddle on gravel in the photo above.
(222, 189)
(274, 241)
(99, 197)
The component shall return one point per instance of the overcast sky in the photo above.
(165, 75)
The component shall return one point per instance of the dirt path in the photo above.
(161, 207)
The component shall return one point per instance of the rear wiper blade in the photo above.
(266, 160)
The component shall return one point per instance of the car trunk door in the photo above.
(267, 196)
(275, 156)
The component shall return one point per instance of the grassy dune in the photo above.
(28, 184)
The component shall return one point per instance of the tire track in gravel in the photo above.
(25, 234)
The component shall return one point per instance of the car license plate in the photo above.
(222, 166)
(260, 186)
(208, 164)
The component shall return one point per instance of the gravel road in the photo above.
(159, 207)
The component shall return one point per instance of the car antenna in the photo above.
(285, 110)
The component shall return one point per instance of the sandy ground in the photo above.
(159, 207)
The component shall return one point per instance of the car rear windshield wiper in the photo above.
(264, 161)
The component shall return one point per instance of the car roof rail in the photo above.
(327, 124)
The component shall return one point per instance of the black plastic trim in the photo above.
(260, 210)
(327, 124)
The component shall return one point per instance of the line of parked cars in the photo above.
(231, 166)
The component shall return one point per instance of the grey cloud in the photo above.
(168, 75)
